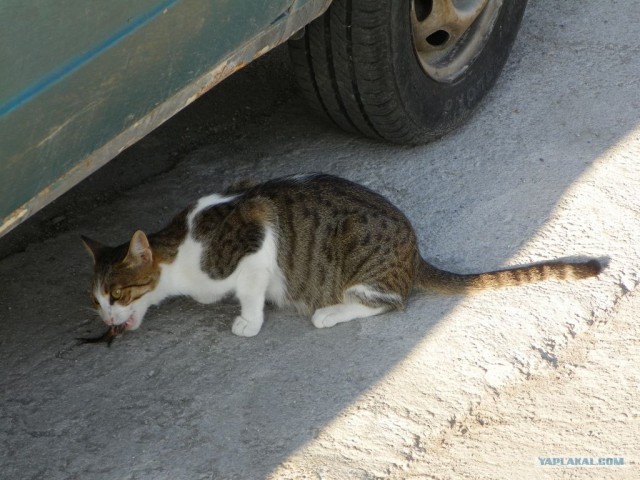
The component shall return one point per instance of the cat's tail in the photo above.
(429, 277)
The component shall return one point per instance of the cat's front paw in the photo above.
(243, 328)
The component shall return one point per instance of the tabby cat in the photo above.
(332, 248)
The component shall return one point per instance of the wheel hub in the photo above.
(449, 34)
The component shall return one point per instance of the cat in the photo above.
(332, 248)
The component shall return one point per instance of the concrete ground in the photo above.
(481, 387)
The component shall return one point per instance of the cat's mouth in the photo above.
(130, 323)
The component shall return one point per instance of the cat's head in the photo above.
(123, 278)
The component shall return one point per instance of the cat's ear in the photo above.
(94, 248)
(139, 250)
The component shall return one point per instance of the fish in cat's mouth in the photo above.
(131, 323)
(107, 337)
(112, 332)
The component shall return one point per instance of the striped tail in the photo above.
(431, 278)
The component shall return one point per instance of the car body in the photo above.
(83, 80)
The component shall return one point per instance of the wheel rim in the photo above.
(449, 34)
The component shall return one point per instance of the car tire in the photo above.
(403, 71)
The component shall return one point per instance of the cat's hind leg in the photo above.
(343, 312)
(360, 301)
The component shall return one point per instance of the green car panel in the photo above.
(83, 80)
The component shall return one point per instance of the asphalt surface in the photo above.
(546, 168)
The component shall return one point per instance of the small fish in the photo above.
(107, 337)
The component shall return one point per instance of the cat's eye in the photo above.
(94, 300)
(116, 293)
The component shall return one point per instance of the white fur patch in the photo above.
(277, 285)
(184, 276)
(256, 278)
(207, 202)
(343, 312)
(369, 293)
(352, 308)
